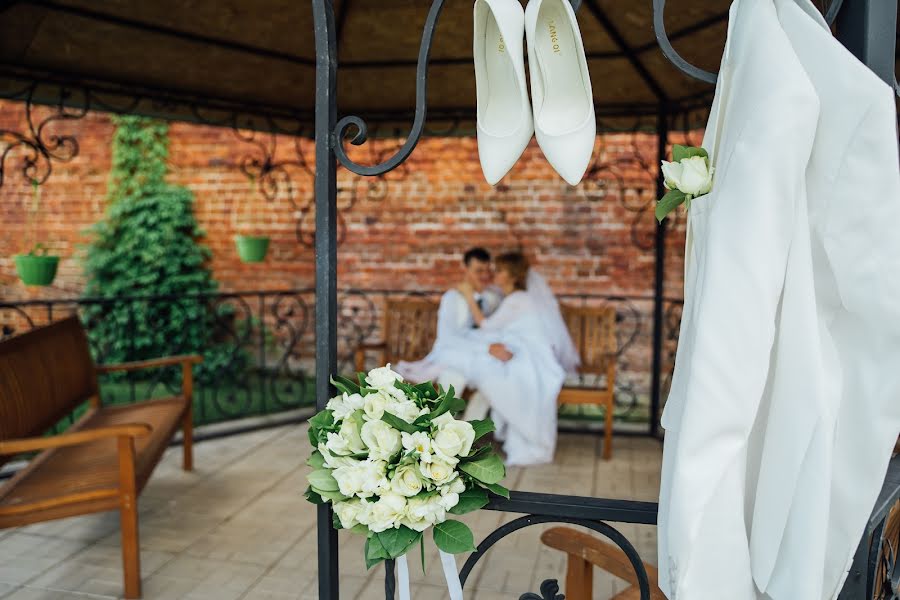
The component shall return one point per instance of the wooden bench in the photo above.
(105, 458)
(409, 328)
(585, 552)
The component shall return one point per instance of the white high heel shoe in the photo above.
(561, 95)
(505, 123)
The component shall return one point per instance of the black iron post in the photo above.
(868, 28)
(326, 260)
(662, 133)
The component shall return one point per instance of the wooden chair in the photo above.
(585, 552)
(408, 332)
(593, 329)
(101, 462)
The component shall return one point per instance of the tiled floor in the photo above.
(239, 528)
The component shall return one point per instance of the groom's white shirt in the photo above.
(854, 204)
(739, 250)
(453, 344)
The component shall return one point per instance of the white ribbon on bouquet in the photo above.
(448, 563)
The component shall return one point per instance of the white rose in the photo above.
(388, 512)
(450, 493)
(350, 432)
(419, 443)
(382, 377)
(453, 438)
(423, 512)
(332, 461)
(348, 512)
(344, 405)
(404, 409)
(438, 471)
(406, 481)
(337, 445)
(349, 479)
(443, 419)
(376, 403)
(672, 175)
(373, 477)
(696, 176)
(382, 440)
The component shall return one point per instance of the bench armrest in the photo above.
(360, 354)
(190, 359)
(71, 439)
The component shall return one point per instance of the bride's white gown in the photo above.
(522, 392)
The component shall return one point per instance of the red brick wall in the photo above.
(405, 231)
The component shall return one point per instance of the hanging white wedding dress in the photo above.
(522, 392)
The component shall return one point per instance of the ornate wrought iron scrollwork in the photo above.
(344, 125)
(549, 591)
(40, 145)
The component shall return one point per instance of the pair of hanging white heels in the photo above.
(561, 113)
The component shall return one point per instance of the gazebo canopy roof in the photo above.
(252, 62)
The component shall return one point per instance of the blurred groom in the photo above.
(454, 344)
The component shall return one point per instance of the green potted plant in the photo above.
(251, 248)
(37, 267)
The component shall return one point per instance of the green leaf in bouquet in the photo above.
(482, 428)
(313, 497)
(457, 405)
(316, 460)
(422, 550)
(397, 542)
(668, 203)
(426, 390)
(443, 406)
(361, 376)
(401, 425)
(454, 537)
(470, 500)
(477, 453)
(375, 552)
(360, 529)
(497, 489)
(347, 386)
(323, 481)
(332, 496)
(488, 470)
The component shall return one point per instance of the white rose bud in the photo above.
(332, 461)
(348, 511)
(672, 175)
(382, 377)
(443, 419)
(453, 438)
(382, 440)
(373, 477)
(407, 481)
(696, 176)
(344, 405)
(376, 403)
(405, 409)
(350, 432)
(349, 480)
(337, 445)
(423, 512)
(388, 512)
(438, 471)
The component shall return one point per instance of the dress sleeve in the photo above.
(448, 322)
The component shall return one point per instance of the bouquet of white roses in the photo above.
(393, 461)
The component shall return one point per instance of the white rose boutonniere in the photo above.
(688, 176)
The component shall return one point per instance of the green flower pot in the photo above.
(252, 248)
(36, 269)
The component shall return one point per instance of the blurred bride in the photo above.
(524, 356)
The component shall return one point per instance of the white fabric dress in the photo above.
(522, 392)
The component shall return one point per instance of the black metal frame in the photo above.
(863, 26)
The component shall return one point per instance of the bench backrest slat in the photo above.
(44, 374)
(593, 329)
